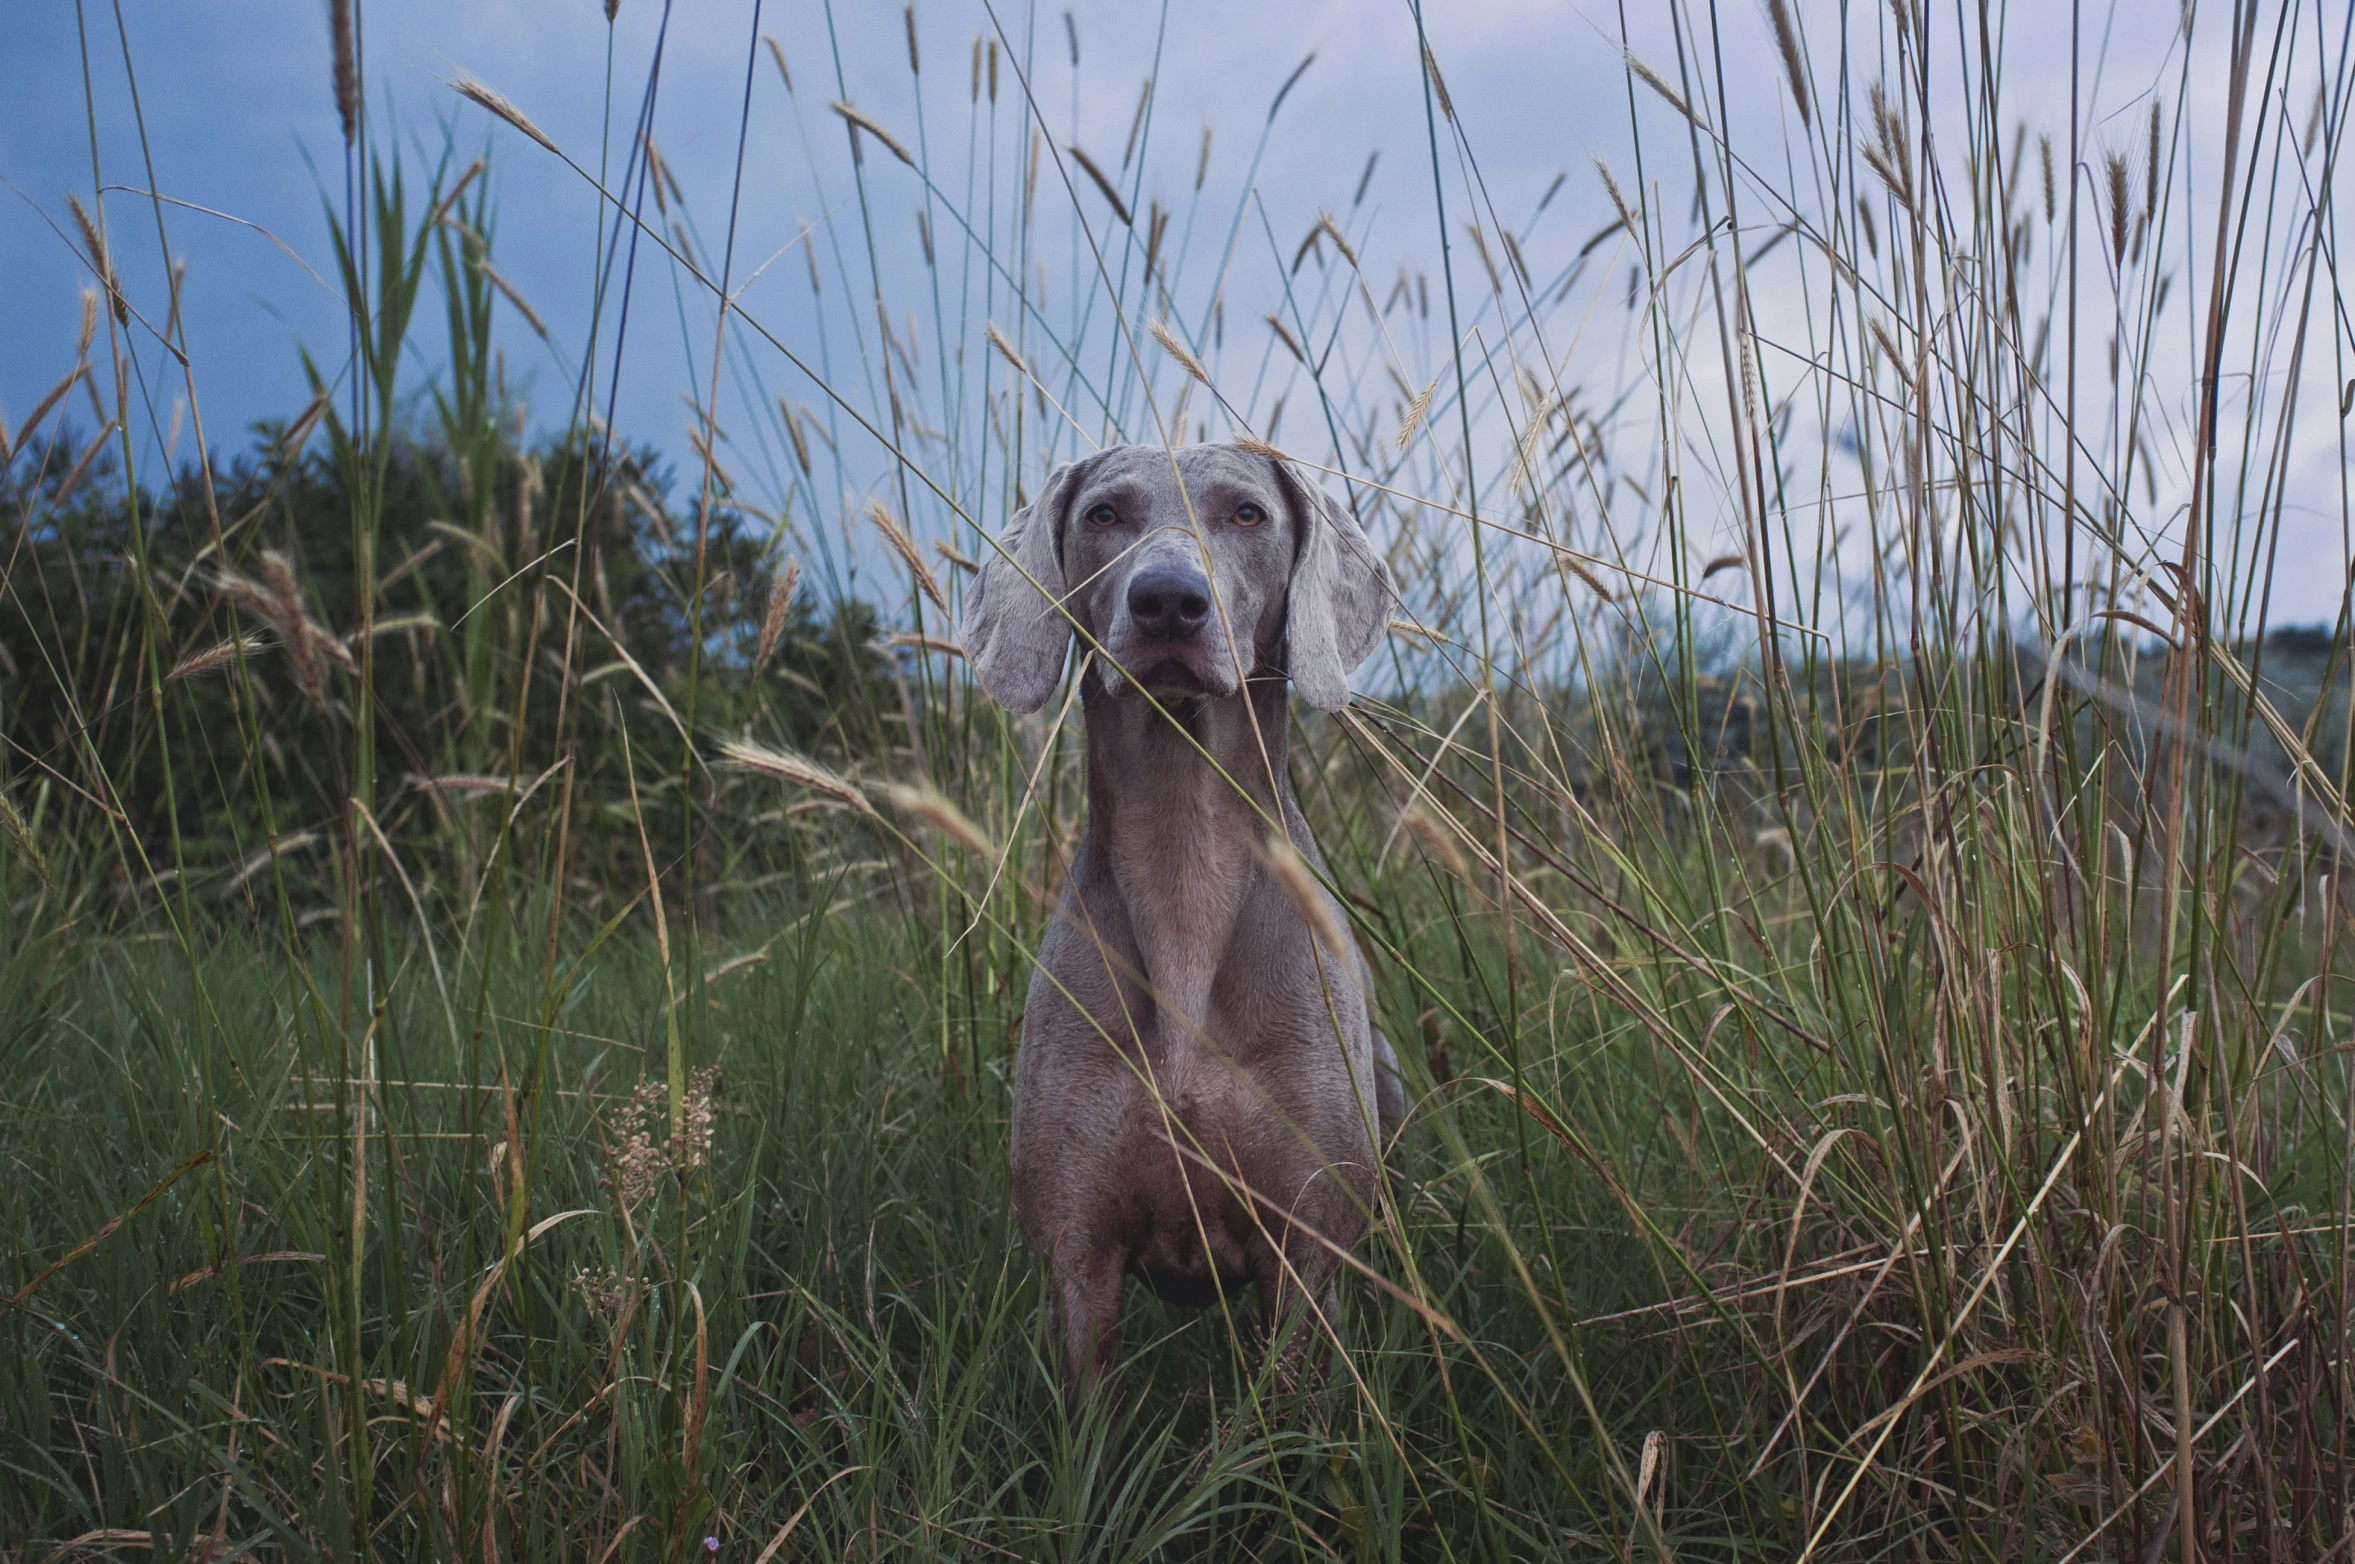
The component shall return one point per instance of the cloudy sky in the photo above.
(234, 119)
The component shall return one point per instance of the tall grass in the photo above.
(1871, 975)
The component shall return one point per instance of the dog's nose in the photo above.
(1168, 603)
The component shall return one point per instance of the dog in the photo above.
(1201, 1094)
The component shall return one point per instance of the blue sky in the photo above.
(238, 115)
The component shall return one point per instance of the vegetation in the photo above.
(512, 971)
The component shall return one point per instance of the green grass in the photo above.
(1875, 1010)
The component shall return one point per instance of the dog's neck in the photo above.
(1177, 810)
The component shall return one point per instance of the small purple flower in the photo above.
(711, 1544)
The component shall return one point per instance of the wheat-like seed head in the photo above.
(100, 259)
(901, 545)
(1436, 840)
(489, 97)
(858, 119)
(1298, 882)
(1104, 184)
(1258, 447)
(1786, 40)
(1175, 347)
(1438, 85)
(2115, 167)
(937, 813)
(1340, 240)
(777, 53)
(89, 331)
(347, 70)
(197, 664)
(492, 275)
(1660, 84)
(1417, 410)
(997, 339)
(784, 766)
(772, 624)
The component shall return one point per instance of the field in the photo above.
(514, 949)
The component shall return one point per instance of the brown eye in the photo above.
(1248, 515)
(1102, 516)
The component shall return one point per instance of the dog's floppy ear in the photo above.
(1341, 595)
(1015, 632)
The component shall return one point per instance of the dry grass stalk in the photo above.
(937, 813)
(784, 766)
(100, 260)
(489, 97)
(347, 69)
(1119, 207)
(858, 120)
(772, 622)
(1298, 882)
(777, 53)
(491, 275)
(1175, 347)
(906, 550)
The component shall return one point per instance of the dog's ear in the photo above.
(1015, 632)
(1341, 595)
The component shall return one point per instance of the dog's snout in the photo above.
(1169, 604)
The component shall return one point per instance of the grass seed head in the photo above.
(772, 621)
(858, 119)
(489, 97)
(1786, 40)
(1175, 347)
(347, 69)
(100, 260)
(197, 664)
(799, 771)
(938, 814)
(905, 548)
(1298, 882)
(1436, 840)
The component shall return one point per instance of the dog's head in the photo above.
(1191, 570)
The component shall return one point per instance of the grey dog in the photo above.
(1201, 1092)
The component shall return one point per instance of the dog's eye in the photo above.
(1102, 516)
(1249, 515)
